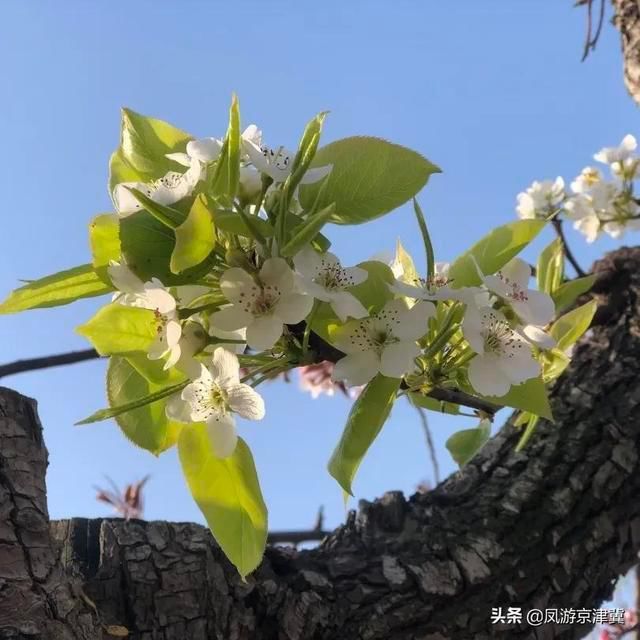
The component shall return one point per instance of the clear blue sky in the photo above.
(493, 92)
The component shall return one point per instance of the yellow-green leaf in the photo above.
(117, 328)
(370, 177)
(568, 292)
(228, 494)
(146, 425)
(570, 327)
(463, 445)
(104, 238)
(529, 396)
(56, 290)
(195, 237)
(366, 418)
(493, 251)
(550, 268)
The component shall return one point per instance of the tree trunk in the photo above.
(552, 526)
(627, 21)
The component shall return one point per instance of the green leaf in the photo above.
(550, 268)
(366, 418)
(554, 362)
(144, 143)
(531, 423)
(569, 328)
(568, 292)
(152, 370)
(104, 238)
(227, 174)
(370, 177)
(231, 222)
(228, 494)
(117, 328)
(56, 290)
(121, 171)
(307, 231)
(195, 237)
(426, 240)
(147, 246)
(168, 216)
(122, 383)
(438, 406)
(147, 425)
(494, 251)
(464, 445)
(529, 396)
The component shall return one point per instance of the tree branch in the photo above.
(45, 362)
(551, 526)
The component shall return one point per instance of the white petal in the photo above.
(357, 368)
(539, 308)
(414, 323)
(313, 175)
(180, 158)
(397, 359)
(158, 298)
(356, 275)
(245, 401)
(264, 332)
(277, 273)
(519, 365)
(174, 355)
(409, 291)
(205, 150)
(252, 134)
(178, 409)
(307, 262)
(236, 282)
(346, 305)
(124, 279)
(221, 429)
(225, 367)
(517, 271)
(538, 337)
(487, 378)
(255, 154)
(293, 308)
(231, 318)
(172, 333)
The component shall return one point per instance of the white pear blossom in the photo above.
(214, 397)
(511, 284)
(263, 304)
(541, 199)
(580, 209)
(323, 277)
(171, 188)
(439, 288)
(621, 159)
(384, 343)
(276, 162)
(504, 357)
(151, 295)
(588, 177)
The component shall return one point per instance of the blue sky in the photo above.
(495, 94)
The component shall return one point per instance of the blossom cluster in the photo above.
(594, 203)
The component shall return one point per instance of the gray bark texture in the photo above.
(552, 526)
(627, 21)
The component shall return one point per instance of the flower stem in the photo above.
(557, 225)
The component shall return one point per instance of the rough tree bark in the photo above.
(552, 526)
(627, 21)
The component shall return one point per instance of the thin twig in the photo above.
(32, 364)
(296, 537)
(592, 40)
(430, 445)
(557, 225)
